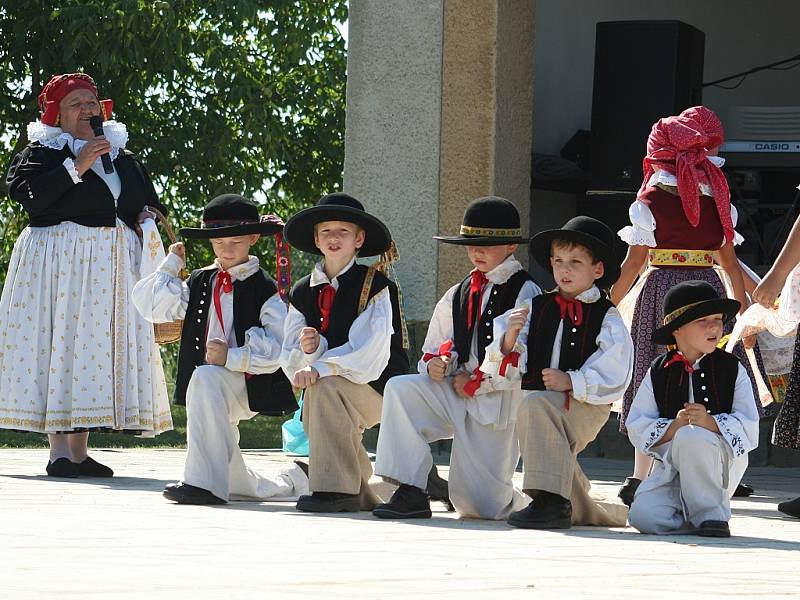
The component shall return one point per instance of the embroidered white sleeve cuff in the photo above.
(579, 391)
(731, 430)
(69, 165)
(654, 433)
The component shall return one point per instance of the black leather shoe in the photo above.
(408, 502)
(329, 502)
(628, 490)
(714, 529)
(790, 507)
(91, 468)
(437, 489)
(62, 467)
(546, 511)
(743, 490)
(183, 493)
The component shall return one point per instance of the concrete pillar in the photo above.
(439, 111)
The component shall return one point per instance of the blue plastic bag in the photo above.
(295, 441)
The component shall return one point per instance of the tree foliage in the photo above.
(218, 96)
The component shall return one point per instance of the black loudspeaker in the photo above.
(643, 70)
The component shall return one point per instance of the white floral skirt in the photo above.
(75, 353)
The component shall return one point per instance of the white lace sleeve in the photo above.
(643, 225)
(740, 427)
(645, 425)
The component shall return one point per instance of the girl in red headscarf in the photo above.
(682, 221)
(76, 354)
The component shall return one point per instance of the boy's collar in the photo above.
(587, 296)
(318, 276)
(241, 271)
(502, 272)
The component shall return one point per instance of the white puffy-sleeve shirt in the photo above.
(162, 297)
(641, 231)
(605, 375)
(362, 358)
(739, 428)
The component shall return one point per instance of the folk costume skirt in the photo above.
(76, 355)
(787, 423)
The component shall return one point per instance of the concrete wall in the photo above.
(394, 82)
(740, 34)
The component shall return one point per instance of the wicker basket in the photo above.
(168, 333)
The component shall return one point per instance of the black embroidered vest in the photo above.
(268, 394)
(578, 342)
(345, 311)
(713, 383)
(502, 298)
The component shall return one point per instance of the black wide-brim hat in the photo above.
(299, 230)
(588, 232)
(688, 301)
(488, 221)
(230, 215)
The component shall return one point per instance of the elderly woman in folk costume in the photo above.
(76, 354)
(682, 222)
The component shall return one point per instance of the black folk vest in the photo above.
(713, 383)
(578, 342)
(268, 394)
(345, 311)
(502, 298)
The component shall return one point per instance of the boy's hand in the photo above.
(309, 340)
(178, 249)
(696, 414)
(680, 420)
(459, 381)
(437, 367)
(556, 380)
(216, 352)
(516, 321)
(305, 377)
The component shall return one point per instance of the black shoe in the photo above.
(546, 511)
(628, 490)
(329, 502)
(303, 466)
(437, 489)
(743, 490)
(714, 529)
(62, 467)
(408, 502)
(790, 507)
(91, 468)
(183, 493)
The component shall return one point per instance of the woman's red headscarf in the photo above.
(59, 87)
(680, 145)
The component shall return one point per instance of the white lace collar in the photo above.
(589, 296)
(242, 271)
(502, 272)
(56, 138)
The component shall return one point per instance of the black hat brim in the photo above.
(725, 306)
(197, 233)
(542, 242)
(299, 229)
(460, 240)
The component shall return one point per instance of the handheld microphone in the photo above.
(97, 127)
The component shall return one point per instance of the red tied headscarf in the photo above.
(680, 145)
(59, 87)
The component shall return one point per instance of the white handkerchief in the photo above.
(152, 248)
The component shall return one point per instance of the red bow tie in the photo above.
(570, 308)
(476, 283)
(325, 304)
(680, 358)
(222, 284)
